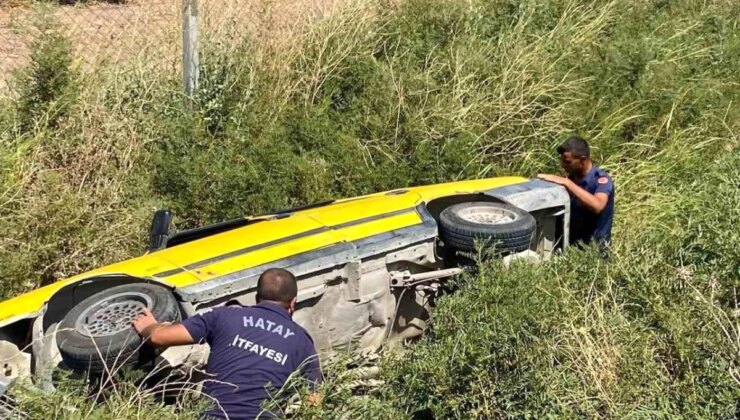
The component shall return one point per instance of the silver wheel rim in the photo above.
(487, 215)
(112, 314)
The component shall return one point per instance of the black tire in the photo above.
(99, 346)
(463, 234)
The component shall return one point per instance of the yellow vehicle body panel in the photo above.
(265, 241)
(249, 236)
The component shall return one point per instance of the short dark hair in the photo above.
(577, 146)
(278, 285)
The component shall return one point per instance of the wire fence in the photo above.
(132, 31)
(148, 32)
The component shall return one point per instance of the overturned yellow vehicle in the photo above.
(368, 269)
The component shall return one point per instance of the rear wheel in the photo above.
(96, 335)
(497, 227)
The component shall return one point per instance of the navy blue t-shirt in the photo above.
(585, 224)
(253, 349)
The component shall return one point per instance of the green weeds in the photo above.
(123, 399)
(47, 88)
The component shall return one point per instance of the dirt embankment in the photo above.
(146, 31)
(96, 31)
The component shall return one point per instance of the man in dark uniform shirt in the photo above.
(592, 194)
(253, 348)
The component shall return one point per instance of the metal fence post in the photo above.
(190, 61)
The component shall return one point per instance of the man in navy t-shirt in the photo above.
(592, 194)
(254, 349)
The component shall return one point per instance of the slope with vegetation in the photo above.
(388, 94)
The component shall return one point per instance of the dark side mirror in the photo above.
(160, 230)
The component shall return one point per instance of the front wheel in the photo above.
(497, 227)
(97, 336)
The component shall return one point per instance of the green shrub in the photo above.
(47, 88)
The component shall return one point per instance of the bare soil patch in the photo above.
(144, 31)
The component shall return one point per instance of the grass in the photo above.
(124, 398)
(387, 94)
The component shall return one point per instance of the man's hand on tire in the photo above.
(144, 323)
(162, 334)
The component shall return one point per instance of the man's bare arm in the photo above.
(594, 202)
(161, 335)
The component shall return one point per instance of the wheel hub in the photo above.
(487, 215)
(112, 315)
